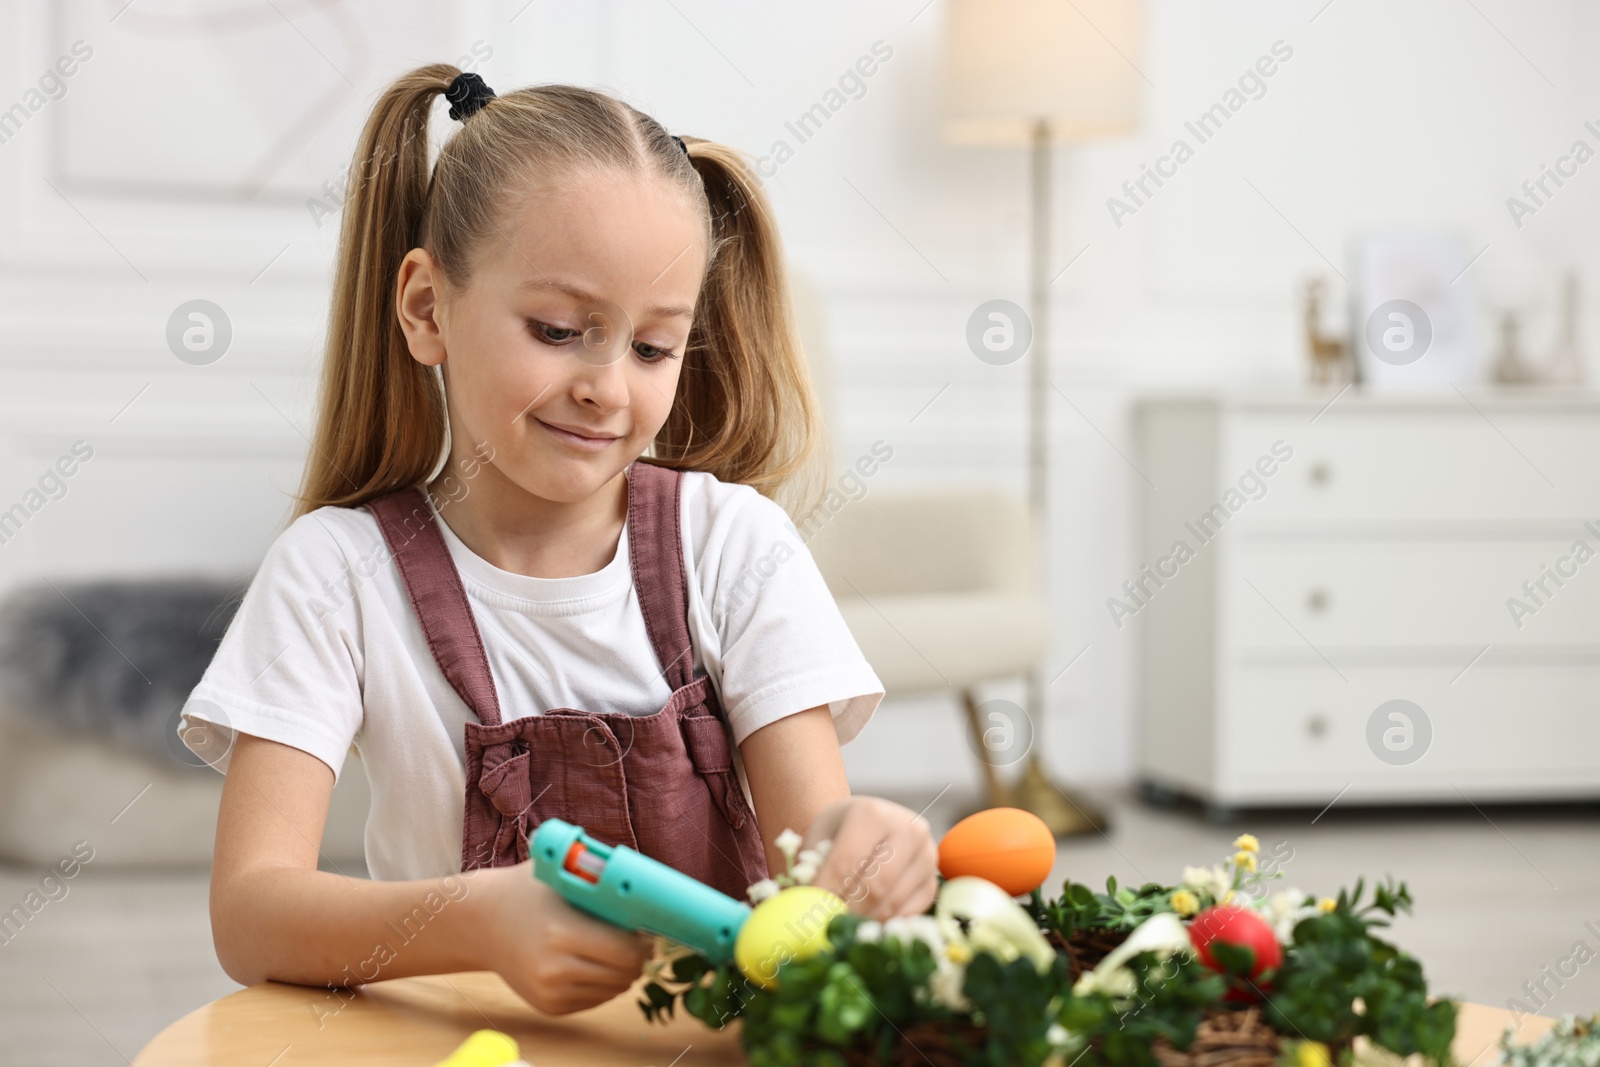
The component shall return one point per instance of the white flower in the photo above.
(762, 890)
(995, 922)
(945, 986)
(1215, 880)
(1163, 934)
(1057, 1035)
(823, 847)
(788, 843)
(1285, 909)
(803, 872)
(908, 928)
(811, 856)
(1118, 982)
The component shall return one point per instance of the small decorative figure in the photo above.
(1509, 366)
(1566, 363)
(1331, 362)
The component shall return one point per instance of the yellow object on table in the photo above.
(485, 1048)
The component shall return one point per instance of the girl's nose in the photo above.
(602, 380)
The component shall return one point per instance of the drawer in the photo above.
(1439, 465)
(1511, 727)
(1413, 594)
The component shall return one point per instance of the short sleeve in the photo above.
(784, 646)
(289, 667)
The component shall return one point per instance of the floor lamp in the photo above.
(1034, 72)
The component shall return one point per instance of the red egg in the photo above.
(1010, 847)
(1233, 925)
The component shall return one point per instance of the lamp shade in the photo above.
(1010, 64)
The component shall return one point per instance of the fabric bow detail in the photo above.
(507, 786)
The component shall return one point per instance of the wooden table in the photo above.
(416, 1022)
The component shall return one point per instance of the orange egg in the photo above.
(1010, 847)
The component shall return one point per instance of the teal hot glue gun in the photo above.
(626, 888)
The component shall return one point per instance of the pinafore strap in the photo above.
(655, 550)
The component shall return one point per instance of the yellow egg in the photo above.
(791, 925)
(484, 1048)
(1010, 847)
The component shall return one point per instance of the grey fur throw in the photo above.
(115, 659)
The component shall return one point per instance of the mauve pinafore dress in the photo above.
(663, 783)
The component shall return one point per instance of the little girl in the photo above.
(536, 569)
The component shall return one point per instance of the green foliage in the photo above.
(1572, 1042)
(1014, 1000)
(1081, 908)
(1170, 997)
(1335, 962)
(1337, 981)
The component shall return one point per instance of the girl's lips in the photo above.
(578, 441)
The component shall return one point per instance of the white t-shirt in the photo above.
(326, 654)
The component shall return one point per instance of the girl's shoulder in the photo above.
(719, 509)
(327, 536)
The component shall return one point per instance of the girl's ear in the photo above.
(417, 303)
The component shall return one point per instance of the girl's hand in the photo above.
(557, 958)
(883, 860)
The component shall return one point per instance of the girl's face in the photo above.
(562, 352)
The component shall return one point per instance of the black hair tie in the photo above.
(467, 94)
(681, 145)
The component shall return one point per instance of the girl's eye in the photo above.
(562, 335)
(652, 354)
(547, 333)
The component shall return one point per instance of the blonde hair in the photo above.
(745, 410)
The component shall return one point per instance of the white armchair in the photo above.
(938, 586)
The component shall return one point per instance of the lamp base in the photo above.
(1066, 812)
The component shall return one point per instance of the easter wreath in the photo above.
(1214, 971)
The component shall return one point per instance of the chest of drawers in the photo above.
(1383, 599)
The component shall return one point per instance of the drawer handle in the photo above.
(1320, 474)
(1317, 725)
(1317, 601)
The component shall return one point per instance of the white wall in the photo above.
(181, 158)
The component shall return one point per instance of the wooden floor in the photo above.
(1503, 896)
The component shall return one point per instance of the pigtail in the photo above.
(746, 410)
(381, 419)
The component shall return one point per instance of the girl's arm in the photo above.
(274, 915)
(882, 861)
(795, 770)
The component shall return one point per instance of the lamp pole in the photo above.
(1063, 811)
